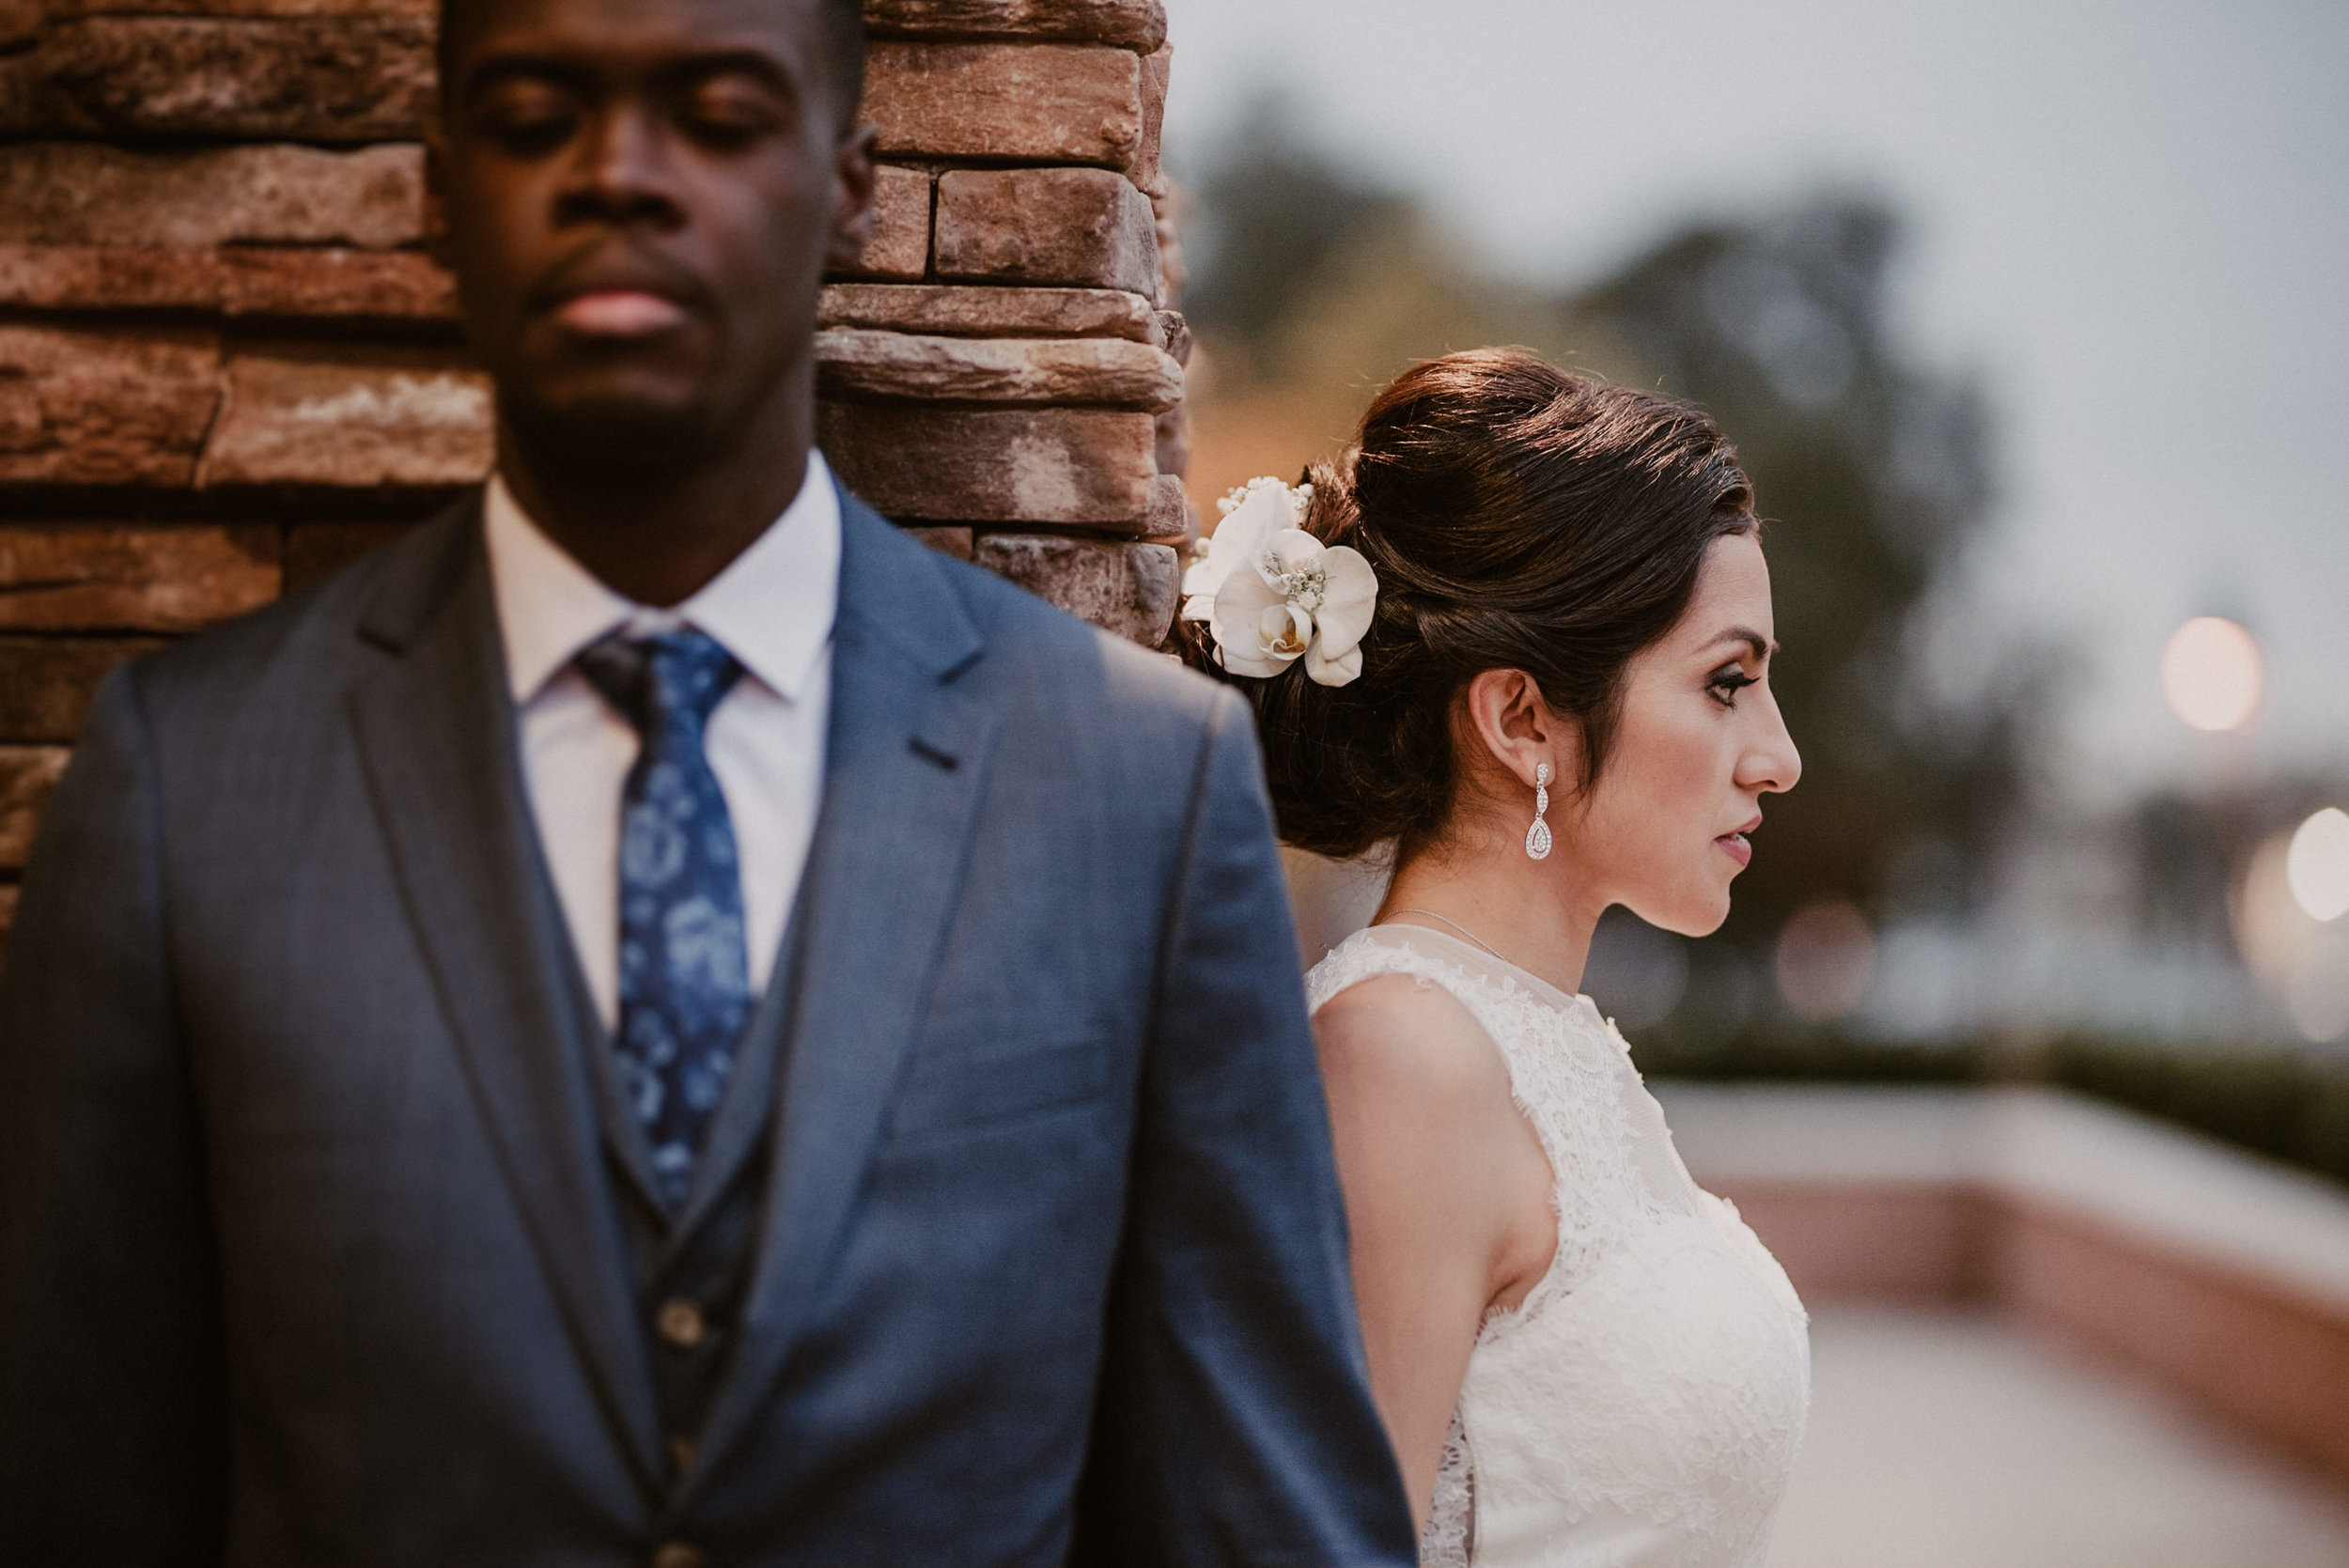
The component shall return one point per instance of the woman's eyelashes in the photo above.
(1727, 681)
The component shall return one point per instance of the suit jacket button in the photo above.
(681, 1327)
(677, 1554)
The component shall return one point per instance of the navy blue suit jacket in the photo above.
(308, 1250)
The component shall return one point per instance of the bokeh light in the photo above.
(1826, 955)
(2272, 932)
(2317, 865)
(2212, 674)
(2300, 959)
(2317, 995)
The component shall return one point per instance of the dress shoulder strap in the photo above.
(1367, 954)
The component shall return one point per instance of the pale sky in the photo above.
(2132, 219)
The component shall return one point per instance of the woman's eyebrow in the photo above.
(1762, 647)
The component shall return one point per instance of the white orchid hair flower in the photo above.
(1272, 594)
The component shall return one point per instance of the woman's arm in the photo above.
(1447, 1197)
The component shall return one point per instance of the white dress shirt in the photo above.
(772, 609)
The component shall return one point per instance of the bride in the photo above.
(1522, 634)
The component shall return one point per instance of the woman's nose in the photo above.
(1771, 764)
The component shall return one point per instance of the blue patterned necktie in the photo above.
(685, 989)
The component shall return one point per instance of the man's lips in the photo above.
(619, 313)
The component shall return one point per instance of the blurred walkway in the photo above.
(1947, 1440)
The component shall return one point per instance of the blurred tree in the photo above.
(1314, 284)
(1273, 218)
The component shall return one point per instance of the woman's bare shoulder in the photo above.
(1407, 1034)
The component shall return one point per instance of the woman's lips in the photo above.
(1736, 848)
(619, 313)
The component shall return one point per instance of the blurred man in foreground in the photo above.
(656, 1020)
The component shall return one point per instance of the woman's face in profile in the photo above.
(1699, 742)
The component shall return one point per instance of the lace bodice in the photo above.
(1642, 1406)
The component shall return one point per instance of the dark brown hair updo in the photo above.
(1519, 518)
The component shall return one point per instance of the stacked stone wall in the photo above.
(228, 363)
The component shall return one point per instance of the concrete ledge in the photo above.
(2220, 1276)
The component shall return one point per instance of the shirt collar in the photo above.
(773, 607)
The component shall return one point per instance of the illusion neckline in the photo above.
(1571, 1002)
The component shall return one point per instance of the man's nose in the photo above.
(622, 173)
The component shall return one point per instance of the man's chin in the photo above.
(616, 435)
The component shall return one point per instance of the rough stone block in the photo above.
(1136, 24)
(1174, 444)
(1130, 589)
(1174, 271)
(968, 311)
(947, 541)
(1107, 372)
(344, 420)
(373, 9)
(1144, 170)
(21, 21)
(1062, 466)
(899, 246)
(1170, 511)
(345, 79)
(78, 194)
(104, 577)
(27, 775)
(1172, 333)
(109, 277)
(320, 550)
(402, 286)
(46, 683)
(104, 408)
(1046, 103)
(1047, 226)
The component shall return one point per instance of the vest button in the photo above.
(677, 1554)
(681, 1327)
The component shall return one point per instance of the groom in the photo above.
(658, 1021)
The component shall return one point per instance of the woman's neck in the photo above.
(1522, 910)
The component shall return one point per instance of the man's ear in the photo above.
(854, 175)
(436, 243)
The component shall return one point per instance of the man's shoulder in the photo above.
(314, 632)
(1095, 675)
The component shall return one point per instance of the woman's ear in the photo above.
(1516, 728)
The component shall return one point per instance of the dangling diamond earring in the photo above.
(1537, 836)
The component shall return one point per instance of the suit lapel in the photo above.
(905, 773)
(435, 738)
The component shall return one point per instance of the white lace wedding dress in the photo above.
(1641, 1408)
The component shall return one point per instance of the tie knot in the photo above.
(672, 678)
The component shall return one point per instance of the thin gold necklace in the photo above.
(1465, 932)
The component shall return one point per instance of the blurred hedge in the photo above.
(2281, 1104)
(1810, 1056)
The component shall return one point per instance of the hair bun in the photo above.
(1333, 517)
(1516, 517)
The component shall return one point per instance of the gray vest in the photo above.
(692, 1266)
